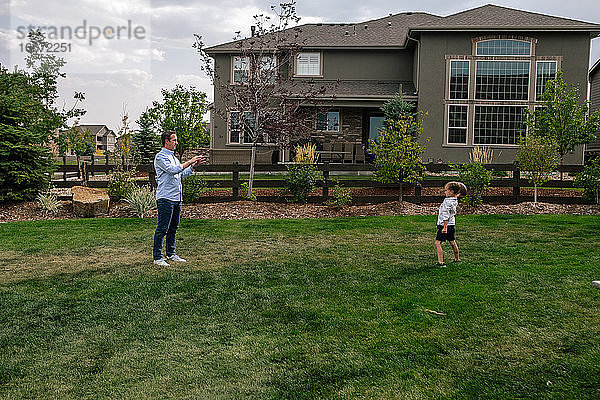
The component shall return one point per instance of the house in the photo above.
(472, 73)
(593, 149)
(104, 138)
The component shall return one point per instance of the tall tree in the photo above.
(182, 111)
(268, 106)
(145, 140)
(28, 118)
(562, 117)
(397, 109)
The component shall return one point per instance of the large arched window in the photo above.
(503, 47)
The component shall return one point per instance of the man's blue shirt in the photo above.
(169, 173)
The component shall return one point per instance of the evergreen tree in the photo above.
(398, 109)
(146, 141)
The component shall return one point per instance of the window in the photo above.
(545, 71)
(459, 80)
(241, 69)
(328, 121)
(308, 64)
(268, 69)
(457, 124)
(498, 124)
(503, 47)
(240, 126)
(502, 80)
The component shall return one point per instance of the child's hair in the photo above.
(457, 188)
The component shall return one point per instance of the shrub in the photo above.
(589, 179)
(340, 196)
(244, 192)
(141, 200)
(121, 183)
(477, 179)
(193, 186)
(301, 180)
(49, 202)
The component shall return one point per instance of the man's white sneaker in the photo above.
(161, 263)
(175, 257)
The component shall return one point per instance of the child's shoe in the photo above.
(441, 264)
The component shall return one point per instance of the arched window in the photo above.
(503, 47)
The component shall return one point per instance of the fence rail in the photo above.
(72, 176)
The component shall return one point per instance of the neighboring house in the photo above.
(104, 138)
(593, 148)
(472, 73)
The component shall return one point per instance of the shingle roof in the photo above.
(390, 31)
(94, 129)
(393, 30)
(496, 17)
(374, 90)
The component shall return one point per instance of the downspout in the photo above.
(418, 63)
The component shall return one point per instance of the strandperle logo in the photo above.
(85, 31)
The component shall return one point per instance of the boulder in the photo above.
(89, 202)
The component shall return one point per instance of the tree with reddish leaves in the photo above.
(269, 108)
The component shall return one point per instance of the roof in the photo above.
(595, 68)
(394, 30)
(496, 17)
(377, 90)
(94, 129)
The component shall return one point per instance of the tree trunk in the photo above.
(534, 193)
(251, 178)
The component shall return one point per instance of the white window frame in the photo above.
(234, 69)
(466, 128)
(241, 134)
(531, 50)
(536, 74)
(468, 79)
(319, 63)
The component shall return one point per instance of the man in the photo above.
(169, 172)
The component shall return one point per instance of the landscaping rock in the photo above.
(89, 202)
(596, 284)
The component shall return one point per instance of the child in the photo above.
(446, 221)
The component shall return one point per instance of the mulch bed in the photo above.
(30, 211)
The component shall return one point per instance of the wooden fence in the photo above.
(437, 176)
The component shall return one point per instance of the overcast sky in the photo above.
(155, 51)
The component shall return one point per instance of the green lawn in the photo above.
(325, 308)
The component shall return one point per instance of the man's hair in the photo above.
(166, 135)
(456, 188)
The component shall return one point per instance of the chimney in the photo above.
(253, 30)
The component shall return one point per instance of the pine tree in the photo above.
(146, 141)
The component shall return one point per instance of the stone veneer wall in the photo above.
(351, 130)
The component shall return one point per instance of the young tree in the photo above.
(145, 140)
(537, 155)
(181, 110)
(124, 149)
(28, 118)
(76, 139)
(397, 153)
(271, 108)
(562, 117)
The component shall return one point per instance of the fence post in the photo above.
(325, 180)
(236, 180)
(78, 168)
(516, 183)
(93, 163)
(64, 163)
(107, 159)
(152, 177)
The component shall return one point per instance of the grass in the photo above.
(325, 308)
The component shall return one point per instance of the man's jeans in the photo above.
(168, 221)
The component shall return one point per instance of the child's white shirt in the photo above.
(447, 211)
